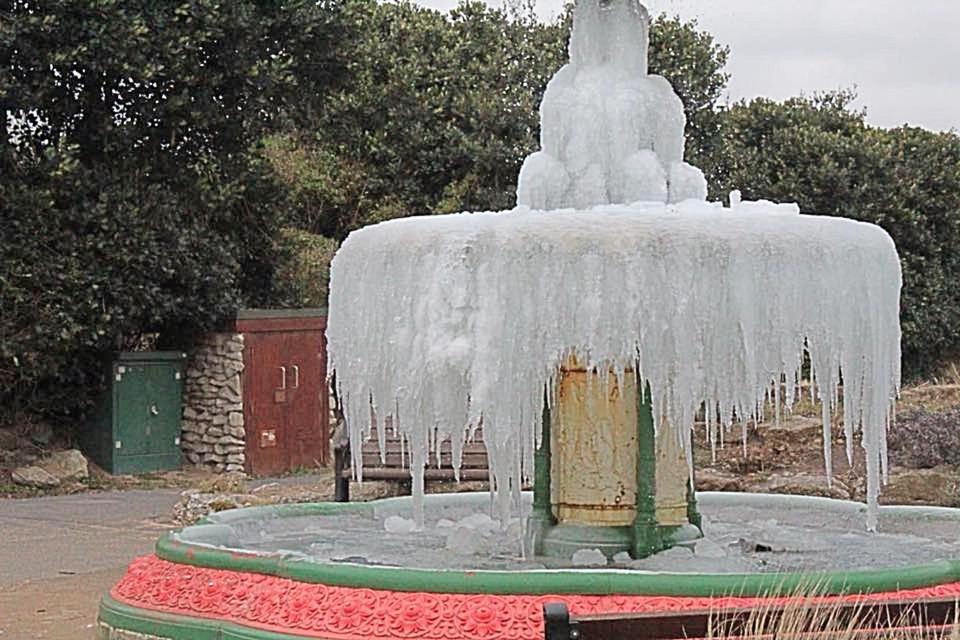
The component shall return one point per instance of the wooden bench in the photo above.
(396, 465)
(925, 617)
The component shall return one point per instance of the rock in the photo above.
(41, 433)
(713, 480)
(220, 420)
(938, 486)
(34, 477)
(8, 440)
(235, 419)
(793, 429)
(189, 413)
(66, 465)
(803, 484)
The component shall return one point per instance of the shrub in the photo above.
(923, 439)
(303, 271)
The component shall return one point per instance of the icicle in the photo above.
(827, 443)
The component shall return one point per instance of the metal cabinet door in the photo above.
(162, 399)
(132, 415)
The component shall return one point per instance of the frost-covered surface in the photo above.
(610, 133)
(745, 534)
(441, 320)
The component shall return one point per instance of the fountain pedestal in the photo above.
(603, 479)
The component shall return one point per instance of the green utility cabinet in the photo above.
(137, 428)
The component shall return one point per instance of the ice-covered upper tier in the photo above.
(440, 320)
(610, 132)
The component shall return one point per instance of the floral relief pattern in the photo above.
(341, 613)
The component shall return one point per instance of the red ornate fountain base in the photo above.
(279, 605)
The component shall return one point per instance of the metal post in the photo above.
(341, 482)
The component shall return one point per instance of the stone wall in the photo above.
(213, 424)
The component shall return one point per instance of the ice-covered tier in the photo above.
(441, 320)
(610, 133)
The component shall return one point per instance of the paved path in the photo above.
(59, 554)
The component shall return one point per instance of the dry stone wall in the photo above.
(213, 423)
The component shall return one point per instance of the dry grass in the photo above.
(809, 616)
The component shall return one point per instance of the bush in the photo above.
(820, 153)
(923, 439)
(303, 271)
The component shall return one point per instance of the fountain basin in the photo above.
(204, 581)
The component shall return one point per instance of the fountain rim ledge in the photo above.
(580, 581)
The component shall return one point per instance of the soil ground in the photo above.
(60, 553)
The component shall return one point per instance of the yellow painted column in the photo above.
(672, 478)
(594, 448)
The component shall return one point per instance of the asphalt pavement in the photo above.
(56, 536)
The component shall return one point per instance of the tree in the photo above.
(820, 153)
(130, 202)
(441, 111)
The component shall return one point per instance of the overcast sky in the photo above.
(902, 56)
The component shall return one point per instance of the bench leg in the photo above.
(557, 624)
(341, 482)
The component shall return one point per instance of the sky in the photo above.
(902, 57)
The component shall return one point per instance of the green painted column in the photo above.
(693, 511)
(646, 532)
(541, 516)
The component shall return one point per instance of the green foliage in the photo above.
(130, 199)
(303, 272)
(441, 110)
(820, 153)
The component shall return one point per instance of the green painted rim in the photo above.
(167, 625)
(541, 582)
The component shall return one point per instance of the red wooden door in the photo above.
(307, 408)
(285, 391)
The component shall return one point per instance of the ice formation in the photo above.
(610, 133)
(439, 321)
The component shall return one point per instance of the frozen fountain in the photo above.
(586, 330)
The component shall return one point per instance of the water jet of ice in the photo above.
(610, 132)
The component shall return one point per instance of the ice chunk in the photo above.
(396, 524)
(709, 549)
(622, 558)
(464, 541)
(687, 183)
(444, 523)
(588, 558)
(478, 522)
